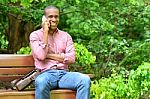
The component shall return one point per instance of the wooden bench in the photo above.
(14, 66)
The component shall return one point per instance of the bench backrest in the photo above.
(14, 66)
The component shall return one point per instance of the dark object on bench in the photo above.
(23, 82)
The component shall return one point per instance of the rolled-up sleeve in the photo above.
(38, 47)
(69, 55)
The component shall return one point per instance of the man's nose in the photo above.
(53, 19)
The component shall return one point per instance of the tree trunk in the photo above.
(18, 32)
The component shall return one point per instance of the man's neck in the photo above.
(51, 32)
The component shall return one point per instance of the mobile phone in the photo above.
(43, 18)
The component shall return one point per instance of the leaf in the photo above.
(14, 1)
(25, 3)
(43, 0)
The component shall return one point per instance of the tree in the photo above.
(19, 17)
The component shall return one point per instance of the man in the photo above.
(53, 51)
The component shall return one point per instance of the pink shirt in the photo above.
(60, 43)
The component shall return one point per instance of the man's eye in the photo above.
(50, 16)
(55, 16)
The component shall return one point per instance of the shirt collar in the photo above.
(56, 31)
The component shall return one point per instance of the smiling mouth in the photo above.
(53, 25)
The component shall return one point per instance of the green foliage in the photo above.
(3, 38)
(83, 56)
(136, 86)
(137, 53)
(119, 53)
(24, 50)
(84, 59)
(113, 87)
(24, 3)
(139, 82)
(3, 41)
(110, 52)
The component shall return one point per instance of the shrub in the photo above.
(113, 87)
(84, 59)
(136, 86)
(139, 82)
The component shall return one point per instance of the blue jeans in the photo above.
(52, 79)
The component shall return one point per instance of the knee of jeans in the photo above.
(86, 81)
(41, 83)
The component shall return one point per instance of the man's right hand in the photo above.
(46, 26)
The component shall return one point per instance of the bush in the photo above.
(84, 59)
(136, 86)
(24, 50)
(113, 87)
(139, 82)
(3, 41)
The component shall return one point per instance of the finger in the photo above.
(47, 23)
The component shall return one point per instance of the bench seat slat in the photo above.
(32, 92)
(55, 94)
(15, 70)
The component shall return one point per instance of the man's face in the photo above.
(53, 16)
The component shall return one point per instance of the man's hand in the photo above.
(56, 57)
(45, 24)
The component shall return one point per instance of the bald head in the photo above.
(50, 7)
